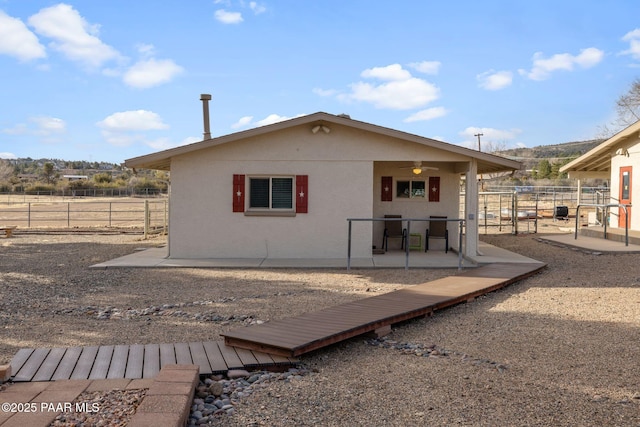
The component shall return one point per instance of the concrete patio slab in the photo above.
(157, 258)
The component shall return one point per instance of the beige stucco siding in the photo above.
(204, 226)
(617, 162)
(209, 228)
(343, 168)
(418, 207)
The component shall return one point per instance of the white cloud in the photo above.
(139, 120)
(247, 121)
(390, 72)
(49, 125)
(243, 122)
(400, 91)
(633, 37)
(427, 67)
(324, 92)
(543, 67)
(428, 114)
(495, 80)
(16, 39)
(72, 35)
(271, 119)
(490, 134)
(589, 57)
(18, 129)
(145, 50)
(397, 95)
(7, 155)
(40, 126)
(225, 17)
(151, 72)
(257, 8)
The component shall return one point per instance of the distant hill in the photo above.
(553, 153)
(31, 166)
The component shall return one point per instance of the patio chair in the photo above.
(393, 230)
(437, 230)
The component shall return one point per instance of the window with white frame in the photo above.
(410, 189)
(271, 193)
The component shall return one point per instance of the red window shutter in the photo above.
(434, 188)
(238, 193)
(302, 193)
(386, 194)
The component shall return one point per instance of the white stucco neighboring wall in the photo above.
(620, 161)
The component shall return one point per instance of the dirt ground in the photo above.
(568, 338)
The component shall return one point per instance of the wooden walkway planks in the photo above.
(134, 361)
(272, 344)
(310, 331)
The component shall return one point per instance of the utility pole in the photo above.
(481, 181)
(479, 135)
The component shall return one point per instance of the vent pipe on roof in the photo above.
(205, 98)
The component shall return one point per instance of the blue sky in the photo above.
(110, 80)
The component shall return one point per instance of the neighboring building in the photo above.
(75, 177)
(286, 190)
(614, 159)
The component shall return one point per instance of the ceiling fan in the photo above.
(417, 168)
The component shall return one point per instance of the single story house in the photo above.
(615, 160)
(287, 189)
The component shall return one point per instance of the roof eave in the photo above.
(162, 160)
(598, 159)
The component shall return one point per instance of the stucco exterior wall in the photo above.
(448, 205)
(343, 183)
(617, 162)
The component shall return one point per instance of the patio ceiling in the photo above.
(597, 162)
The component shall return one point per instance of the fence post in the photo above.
(68, 214)
(29, 215)
(146, 218)
(110, 213)
(514, 212)
(166, 216)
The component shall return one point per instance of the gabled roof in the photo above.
(161, 160)
(598, 159)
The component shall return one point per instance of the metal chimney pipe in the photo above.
(205, 98)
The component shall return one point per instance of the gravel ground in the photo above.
(560, 348)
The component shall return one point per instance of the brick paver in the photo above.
(167, 402)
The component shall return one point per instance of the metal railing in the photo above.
(606, 215)
(408, 221)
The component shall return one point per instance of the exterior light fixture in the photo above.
(318, 128)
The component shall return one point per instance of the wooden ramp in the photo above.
(136, 361)
(311, 331)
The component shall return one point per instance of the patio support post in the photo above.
(406, 246)
(460, 245)
(471, 209)
(349, 248)
(579, 191)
